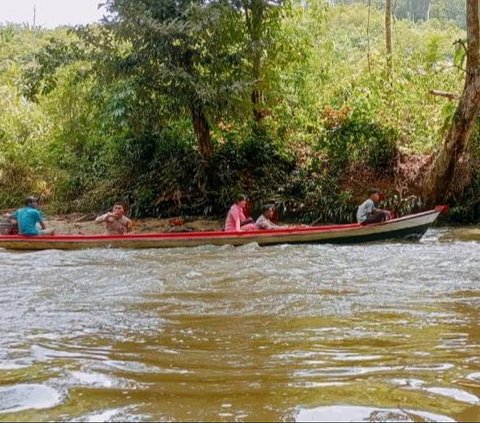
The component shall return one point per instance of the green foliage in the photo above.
(466, 204)
(356, 140)
(39, 76)
(467, 207)
(106, 112)
(460, 57)
(402, 206)
(258, 166)
(74, 143)
(419, 10)
(160, 174)
(315, 195)
(22, 131)
(152, 172)
(187, 53)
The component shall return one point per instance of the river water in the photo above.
(374, 332)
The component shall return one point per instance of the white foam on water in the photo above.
(26, 396)
(456, 394)
(348, 413)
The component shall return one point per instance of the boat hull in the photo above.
(409, 228)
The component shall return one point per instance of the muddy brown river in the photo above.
(374, 332)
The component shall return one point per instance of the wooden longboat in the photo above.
(410, 227)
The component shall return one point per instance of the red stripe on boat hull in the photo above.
(414, 225)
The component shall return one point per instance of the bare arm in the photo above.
(237, 216)
(237, 224)
(103, 218)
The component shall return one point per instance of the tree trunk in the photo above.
(419, 10)
(257, 101)
(202, 132)
(201, 127)
(255, 21)
(426, 10)
(388, 36)
(440, 178)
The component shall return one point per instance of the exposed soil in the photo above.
(407, 178)
(85, 224)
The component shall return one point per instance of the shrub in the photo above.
(360, 141)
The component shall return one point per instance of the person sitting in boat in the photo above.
(236, 220)
(116, 223)
(8, 225)
(368, 212)
(265, 219)
(29, 218)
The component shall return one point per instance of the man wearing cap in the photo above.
(28, 217)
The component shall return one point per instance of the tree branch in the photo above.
(450, 96)
(473, 36)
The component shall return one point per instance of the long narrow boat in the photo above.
(410, 227)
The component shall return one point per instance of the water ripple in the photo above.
(211, 333)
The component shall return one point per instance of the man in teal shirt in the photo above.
(28, 218)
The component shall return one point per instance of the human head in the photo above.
(119, 208)
(374, 194)
(31, 201)
(241, 200)
(268, 211)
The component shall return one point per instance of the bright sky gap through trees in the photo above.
(50, 13)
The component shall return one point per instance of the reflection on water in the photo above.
(377, 332)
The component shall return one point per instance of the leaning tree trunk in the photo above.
(201, 127)
(440, 178)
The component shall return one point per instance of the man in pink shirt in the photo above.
(236, 220)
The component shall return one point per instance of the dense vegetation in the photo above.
(178, 107)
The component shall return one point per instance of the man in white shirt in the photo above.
(369, 213)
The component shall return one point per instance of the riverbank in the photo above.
(85, 224)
